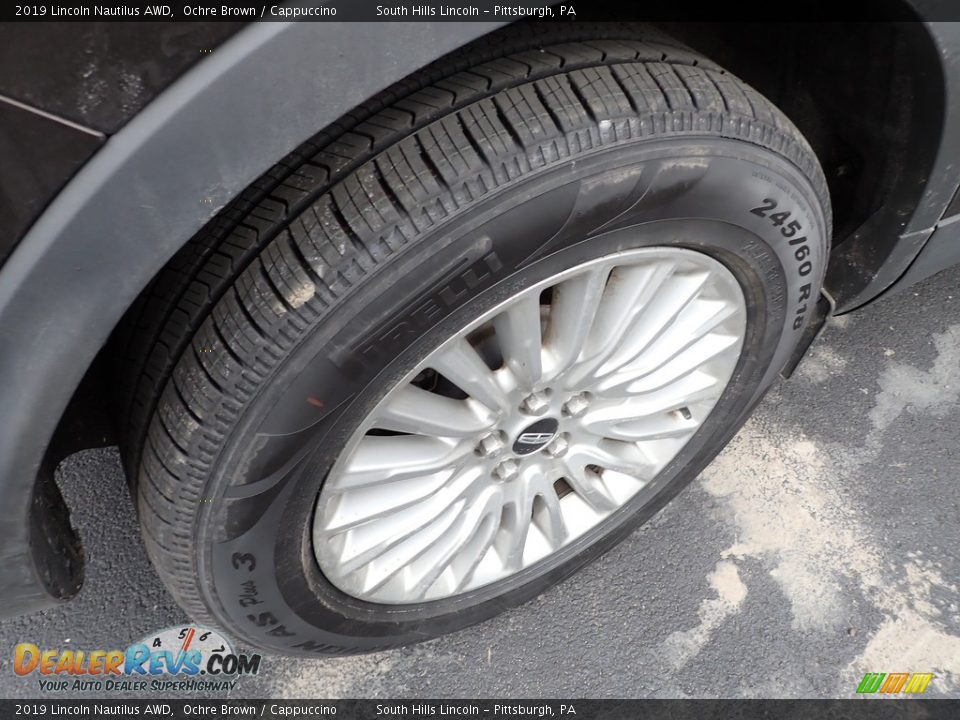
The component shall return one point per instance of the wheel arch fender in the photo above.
(150, 188)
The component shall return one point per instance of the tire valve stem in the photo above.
(685, 413)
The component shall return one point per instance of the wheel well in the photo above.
(870, 99)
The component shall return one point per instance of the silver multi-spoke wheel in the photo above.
(530, 426)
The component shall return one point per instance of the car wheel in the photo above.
(430, 368)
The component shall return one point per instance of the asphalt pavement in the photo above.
(823, 543)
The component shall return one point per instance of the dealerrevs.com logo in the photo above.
(186, 658)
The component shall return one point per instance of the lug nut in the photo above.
(577, 405)
(535, 403)
(490, 445)
(506, 470)
(558, 446)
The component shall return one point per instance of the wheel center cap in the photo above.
(535, 436)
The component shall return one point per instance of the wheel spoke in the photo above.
(572, 312)
(395, 558)
(515, 521)
(671, 425)
(608, 454)
(698, 319)
(378, 460)
(475, 551)
(695, 386)
(662, 413)
(548, 517)
(588, 484)
(518, 332)
(698, 354)
(414, 410)
(463, 366)
(655, 318)
(627, 292)
(479, 514)
(351, 508)
(366, 542)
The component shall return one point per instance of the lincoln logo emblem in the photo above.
(535, 436)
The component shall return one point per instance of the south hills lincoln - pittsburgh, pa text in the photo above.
(506, 11)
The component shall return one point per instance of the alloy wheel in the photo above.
(530, 427)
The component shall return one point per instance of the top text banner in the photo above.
(480, 11)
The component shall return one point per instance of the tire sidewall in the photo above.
(256, 565)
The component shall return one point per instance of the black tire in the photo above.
(265, 342)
